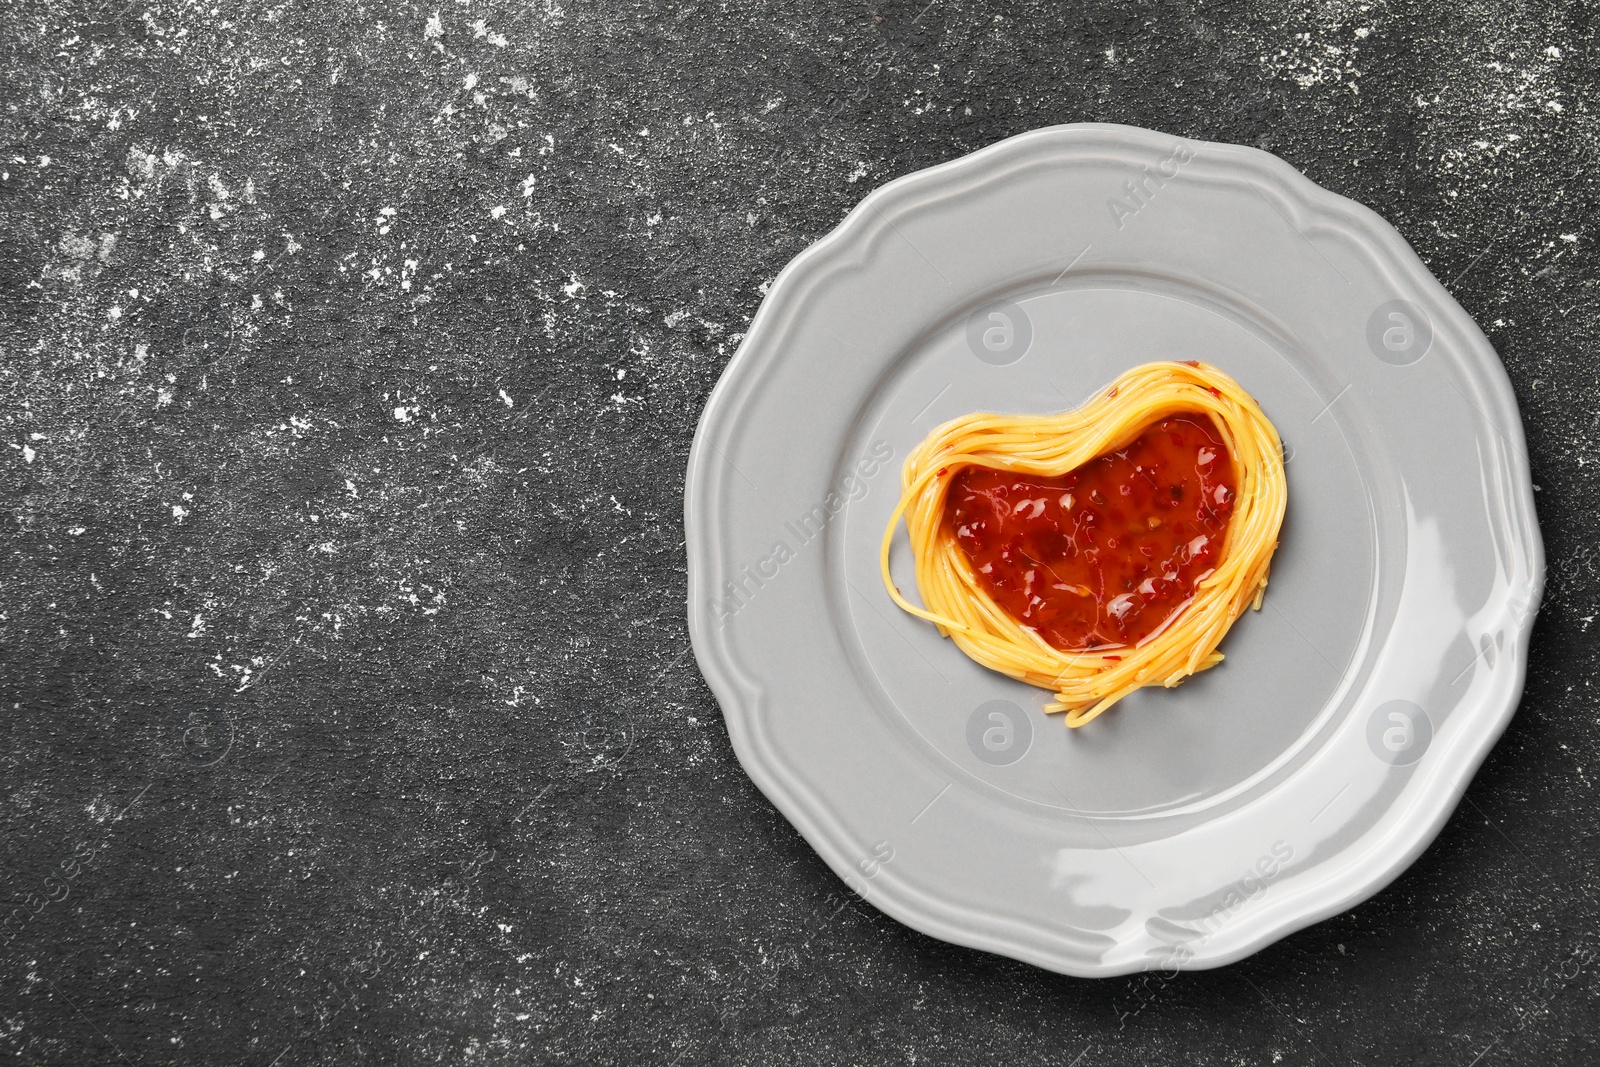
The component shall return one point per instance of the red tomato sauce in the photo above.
(1104, 555)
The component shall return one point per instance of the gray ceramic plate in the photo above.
(1191, 826)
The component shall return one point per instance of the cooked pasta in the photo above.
(1032, 448)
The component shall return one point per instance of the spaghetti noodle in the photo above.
(969, 465)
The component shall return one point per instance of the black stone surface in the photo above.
(349, 360)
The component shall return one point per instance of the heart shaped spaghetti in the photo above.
(992, 617)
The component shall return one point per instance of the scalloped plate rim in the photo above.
(740, 695)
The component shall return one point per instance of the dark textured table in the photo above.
(350, 357)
